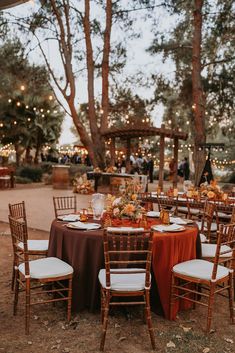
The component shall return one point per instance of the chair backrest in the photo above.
(208, 214)
(64, 204)
(225, 250)
(17, 211)
(145, 199)
(233, 216)
(166, 201)
(132, 249)
(194, 204)
(19, 234)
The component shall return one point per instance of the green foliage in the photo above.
(28, 118)
(32, 173)
(22, 180)
(218, 67)
(47, 167)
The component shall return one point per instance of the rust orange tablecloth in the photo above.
(170, 249)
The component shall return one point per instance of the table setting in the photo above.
(78, 240)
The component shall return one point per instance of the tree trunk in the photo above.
(197, 92)
(38, 148)
(19, 151)
(105, 66)
(98, 141)
(27, 155)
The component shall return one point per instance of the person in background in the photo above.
(139, 162)
(145, 166)
(186, 170)
(180, 171)
(150, 169)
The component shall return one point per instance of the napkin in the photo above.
(153, 214)
(168, 228)
(124, 229)
(178, 220)
(69, 218)
(87, 226)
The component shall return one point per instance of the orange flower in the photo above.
(134, 197)
(129, 209)
(211, 194)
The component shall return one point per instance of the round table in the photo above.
(83, 250)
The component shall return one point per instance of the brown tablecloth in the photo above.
(83, 250)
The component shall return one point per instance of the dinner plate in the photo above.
(168, 228)
(83, 226)
(153, 214)
(69, 217)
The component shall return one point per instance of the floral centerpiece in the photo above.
(82, 186)
(111, 169)
(212, 191)
(126, 205)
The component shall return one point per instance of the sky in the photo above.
(137, 59)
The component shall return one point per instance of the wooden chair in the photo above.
(214, 277)
(168, 202)
(145, 199)
(233, 216)
(35, 246)
(192, 209)
(126, 274)
(206, 223)
(37, 274)
(64, 205)
(223, 212)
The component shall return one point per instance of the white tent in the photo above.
(5, 4)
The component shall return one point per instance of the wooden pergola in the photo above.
(143, 130)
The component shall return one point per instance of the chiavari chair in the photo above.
(126, 274)
(38, 274)
(36, 247)
(205, 224)
(145, 199)
(215, 277)
(64, 205)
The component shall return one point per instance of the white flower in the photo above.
(117, 201)
(116, 211)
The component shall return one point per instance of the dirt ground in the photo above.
(49, 331)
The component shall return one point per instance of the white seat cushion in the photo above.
(129, 282)
(200, 269)
(213, 226)
(48, 267)
(36, 245)
(224, 215)
(183, 209)
(209, 250)
(203, 238)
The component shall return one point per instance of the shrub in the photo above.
(78, 170)
(47, 167)
(32, 173)
(21, 180)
